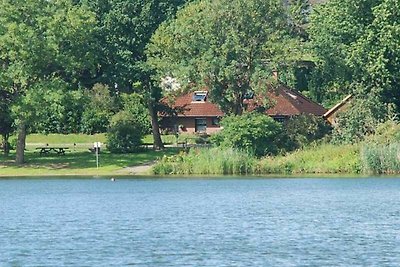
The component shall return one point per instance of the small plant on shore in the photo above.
(207, 161)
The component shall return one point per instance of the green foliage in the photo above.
(357, 45)
(304, 129)
(134, 105)
(124, 134)
(207, 161)
(360, 119)
(252, 132)
(228, 46)
(41, 39)
(381, 159)
(129, 126)
(6, 120)
(323, 158)
(99, 110)
(53, 107)
(385, 133)
(123, 30)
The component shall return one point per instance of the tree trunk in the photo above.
(20, 158)
(157, 144)
(6, 146)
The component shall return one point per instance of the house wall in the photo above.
(189, 125)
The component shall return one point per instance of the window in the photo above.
(215, 121)
(200, 125)
(248, 95)
(199, 96)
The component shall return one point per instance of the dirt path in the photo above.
(141, 169)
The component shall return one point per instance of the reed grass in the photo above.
(207, 161)
(381, 158)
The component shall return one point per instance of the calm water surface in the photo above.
(214, 222)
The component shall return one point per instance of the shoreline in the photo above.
(196, 176)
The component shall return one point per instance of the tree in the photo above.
(228, 46)
(124, 29)
(98, 111)
(6, 121)
(357, 44)
(41, 40)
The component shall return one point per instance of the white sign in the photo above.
(96, 144)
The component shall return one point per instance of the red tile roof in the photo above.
(192, 108)
(285, 102)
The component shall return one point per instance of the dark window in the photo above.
(199, 96)
(249, 95)
(280, 119)
(200, 125)
(215, 121)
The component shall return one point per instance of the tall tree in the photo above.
(6, 120)
(41, 40)
(226, 45)
(124, 29)
(357, 43)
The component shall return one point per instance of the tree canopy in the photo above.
(123, 30)
(41, 41)
(357, 44)
(227, 46)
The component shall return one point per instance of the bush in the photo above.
(125, 133)
(359, 120)
(386, 133)
(251, 132)
(303, 130)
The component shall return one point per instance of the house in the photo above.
(199, 115)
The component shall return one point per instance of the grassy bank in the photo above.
(206, 161)
(322, 159)
(381, 158)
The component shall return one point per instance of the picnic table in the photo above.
(48, 149)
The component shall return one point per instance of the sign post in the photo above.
(97, 146)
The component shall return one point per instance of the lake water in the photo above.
(195, 222)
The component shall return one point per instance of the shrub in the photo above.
(304, 129)
(386, 133)
(359, 120)
(125, 133)
(252, 132)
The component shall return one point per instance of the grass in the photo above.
(55, 139)
(78, 162)
(381, 158)
(206, 161)
(320, 159)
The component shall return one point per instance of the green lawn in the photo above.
(78, 162)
